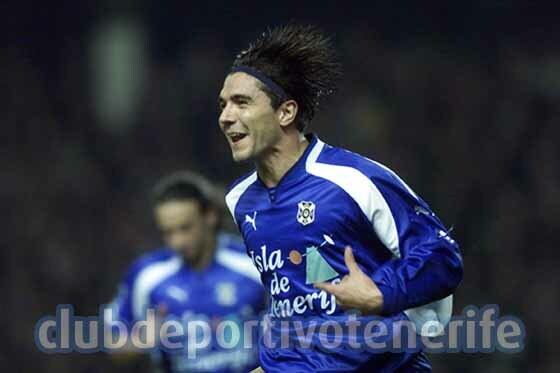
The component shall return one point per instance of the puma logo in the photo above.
(252, 220)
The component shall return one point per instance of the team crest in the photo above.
(226, 293)
(306, 212)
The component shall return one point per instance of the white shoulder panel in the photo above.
(363, 191)
(147, 279)
(235, 194)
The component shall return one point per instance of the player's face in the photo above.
(184, 226)
(247, 118)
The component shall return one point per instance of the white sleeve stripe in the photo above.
(375, 207)
(147, 280)
(405, 185)
(238, 263)
(235, 194)
(364, 192)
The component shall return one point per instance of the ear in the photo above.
(287, 112)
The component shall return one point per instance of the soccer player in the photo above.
(199, 275)
(331, 232)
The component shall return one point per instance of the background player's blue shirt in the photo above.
(228, 289)
(296, 233)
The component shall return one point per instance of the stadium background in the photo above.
(99, 101)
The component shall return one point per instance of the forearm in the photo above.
(429, 273)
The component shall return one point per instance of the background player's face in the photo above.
(247, 118)
(185, 227)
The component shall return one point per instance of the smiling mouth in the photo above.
(236, 137)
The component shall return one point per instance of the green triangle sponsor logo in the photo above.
(317, 268)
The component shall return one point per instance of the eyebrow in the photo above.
(240, 97)
(236, 98)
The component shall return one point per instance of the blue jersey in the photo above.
(229, 289)
(296, 233)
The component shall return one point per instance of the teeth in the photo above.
(236, 135)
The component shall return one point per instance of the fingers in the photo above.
(332, 289)
(329, 288)
(350, 260)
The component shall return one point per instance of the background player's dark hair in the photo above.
(186, 185)
(298, 58)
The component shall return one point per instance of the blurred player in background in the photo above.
(200, 274)
(336, 230)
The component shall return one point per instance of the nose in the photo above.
(227, 117)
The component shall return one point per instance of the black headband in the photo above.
(275, 88)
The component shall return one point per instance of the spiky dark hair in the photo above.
(301, 60)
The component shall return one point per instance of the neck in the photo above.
(274, 165)
(203, 260)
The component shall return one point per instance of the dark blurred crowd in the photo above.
(97, 106)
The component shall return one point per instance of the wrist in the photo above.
(374, 304)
